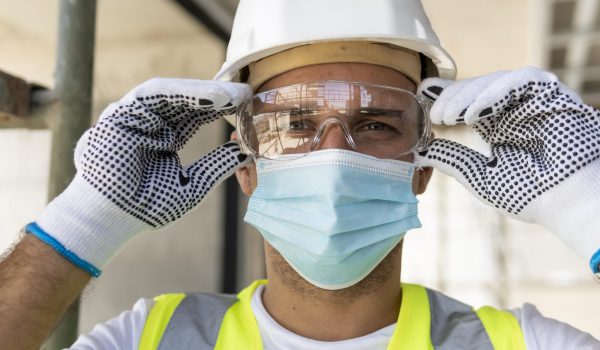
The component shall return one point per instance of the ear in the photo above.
(423, 177)
(246, 175)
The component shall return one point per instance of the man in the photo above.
(341, 146)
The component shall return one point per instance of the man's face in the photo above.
(335, 138)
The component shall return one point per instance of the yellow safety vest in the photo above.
(198, 324)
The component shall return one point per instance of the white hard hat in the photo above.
(265, 27)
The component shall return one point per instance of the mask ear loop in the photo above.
(348, 136)
(242, 113)
(427, 132)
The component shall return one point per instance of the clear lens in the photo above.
(380, 121)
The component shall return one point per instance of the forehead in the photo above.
(363, 72)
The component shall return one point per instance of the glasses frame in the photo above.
(422, 144)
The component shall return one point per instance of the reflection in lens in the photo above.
(381, 121)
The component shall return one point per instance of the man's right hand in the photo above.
(129, 177)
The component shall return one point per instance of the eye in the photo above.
(299, 119)
(299, 124)
(380, 122)
(375, 126)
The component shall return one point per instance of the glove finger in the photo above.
(216, 166)
(175, 99)
(226, 97)
(456, 102)
(140, 128)
(431, 89)
(168, 112)
(200, 94)
(460, 162)
(451, 105)
(511, 89)
(455, 99)
(448, 109)
(80, 148)
(237, 92)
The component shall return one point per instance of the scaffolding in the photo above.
(66, 110)
(567, 43)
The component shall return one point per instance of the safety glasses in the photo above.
(381, 121)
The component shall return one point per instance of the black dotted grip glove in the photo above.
(545, 149)
(129, 177)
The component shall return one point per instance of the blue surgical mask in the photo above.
(333, 214)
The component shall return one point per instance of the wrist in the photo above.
(595, 263)
(35, 230)
(571, 210)
(88, 225)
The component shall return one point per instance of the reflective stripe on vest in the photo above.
(427, 320)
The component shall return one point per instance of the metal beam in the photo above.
(211, 14)
(592, 99)
(591, 73)
(564, 39)
(14, 96)
(24, 105)
(230, 219)
(578, 47)
(540, 15)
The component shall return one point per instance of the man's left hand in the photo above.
(545, 151)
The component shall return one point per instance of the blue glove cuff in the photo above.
(595, 262)
(35, 230)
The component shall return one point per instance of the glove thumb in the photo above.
(432, 88)
(460, 162)
(80, 148)
(216, 166)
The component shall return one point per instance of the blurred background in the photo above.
(464, 249)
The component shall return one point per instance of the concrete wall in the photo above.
(464, 248)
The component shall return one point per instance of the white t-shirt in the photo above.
(124, 331)
(274, 336)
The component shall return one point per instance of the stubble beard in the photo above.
(370, 284)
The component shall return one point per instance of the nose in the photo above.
(333, 135)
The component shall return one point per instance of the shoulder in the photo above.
(539, 332)
(120, 333)
(125, 331)
(542, 332)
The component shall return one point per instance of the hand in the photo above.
(545, 148)
(129, 177)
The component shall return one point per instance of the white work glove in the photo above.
(545, 148)
(129, 177)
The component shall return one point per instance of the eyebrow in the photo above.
(384, 112)
(310, 109)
